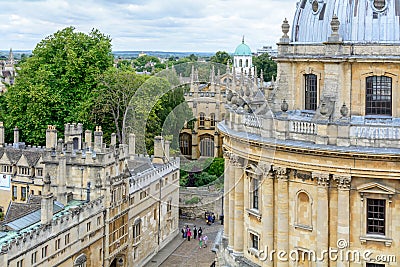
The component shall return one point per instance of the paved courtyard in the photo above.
(188, 253)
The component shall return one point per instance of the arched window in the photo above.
(212, 119)
(240, 63)
(80, 261)
(378, 95)
(247, 62)
(201, 119)
(303, 212)
(185, 144)
(75, 142)
(206, 146)
(310, 92)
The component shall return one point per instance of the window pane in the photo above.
(310, 91)
(376, 216)
(378, 95)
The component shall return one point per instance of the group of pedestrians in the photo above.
(196, 233)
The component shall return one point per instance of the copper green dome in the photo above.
(243, 49)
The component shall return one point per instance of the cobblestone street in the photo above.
(188, 253)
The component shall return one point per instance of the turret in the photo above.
(98, 139)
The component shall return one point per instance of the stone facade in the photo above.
(305, 180)
(118, 208)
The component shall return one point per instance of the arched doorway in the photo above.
(185, 144)
(207, 146)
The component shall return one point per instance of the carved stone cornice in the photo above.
(227, 155)
(322, 179)
(343, 182)
(235, 160)
(281, 173)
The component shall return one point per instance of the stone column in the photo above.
(267, 212)
(343, 216)
(239, 210)
(283, 214)
(227, 177)
(231, 195)
(322, 217)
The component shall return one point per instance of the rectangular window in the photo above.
(378, 95)
(14, 192)
(375, 265)
(44, 251)
(376, 216)
(23, 193)
(254, 193)
(6, 168)
(24, 170)
(20, 263)
(254, 241)
(39, 172)
(136, 231)
(169, 205)
(66, 239)
(57, 244)
(34, 257)
(310, 92)
(88, 226)
(98, 221)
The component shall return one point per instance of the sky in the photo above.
(150, 25)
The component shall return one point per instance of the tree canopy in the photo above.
(221, 57)
(55, 85)
(266, 64)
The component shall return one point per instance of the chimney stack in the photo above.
(88, 139)
(113, 139)
(158, 150)
(1, 134)
(46, 207)
(51, 137)
(98, 139)
(16, 135)
(132, 143)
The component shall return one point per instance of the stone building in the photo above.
(7, 71)
(115, 207)
(314, 165)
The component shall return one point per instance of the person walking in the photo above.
(205, 239)
(200, 242)
(195, 232)
(200, 232)
(189, 234)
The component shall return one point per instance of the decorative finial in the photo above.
(284, 106)
(285, 28)
(344, 110)
(243, 40)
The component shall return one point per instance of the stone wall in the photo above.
(209, 199)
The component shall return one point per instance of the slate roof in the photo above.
(16, 210)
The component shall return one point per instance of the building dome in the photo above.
(362, 21)
(243, 49)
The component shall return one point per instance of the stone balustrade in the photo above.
(374, 132)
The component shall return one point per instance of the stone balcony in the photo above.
(303, 128)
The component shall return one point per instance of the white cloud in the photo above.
(174, 25)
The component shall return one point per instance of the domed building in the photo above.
(243, 59)
(312, 167)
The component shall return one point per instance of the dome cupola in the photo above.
(361, 21)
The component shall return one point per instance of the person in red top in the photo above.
(189, 234)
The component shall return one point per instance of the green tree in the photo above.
(266, 64)
(55, 84)
(221, 57)
(113, 95)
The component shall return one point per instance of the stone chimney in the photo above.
(132, 143)
(16, 135)
(88, 138)
(62, 179)
(158, 150)
(1, 134)
(46, 207)
(51, 137)
(113, 139)
(98, 139)
(167, 145)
